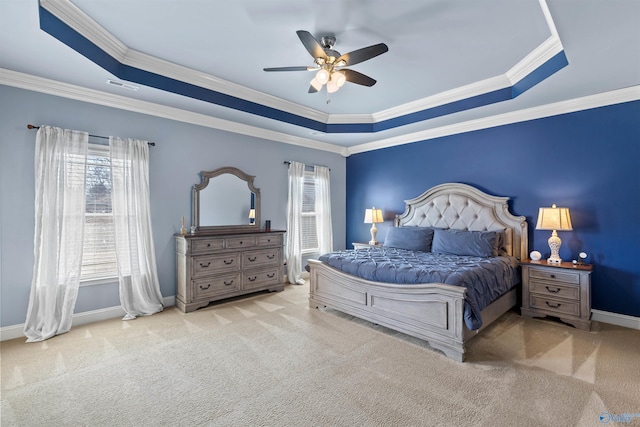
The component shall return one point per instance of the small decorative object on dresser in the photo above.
(561, 290)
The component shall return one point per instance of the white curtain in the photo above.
(137, 271)
(60, 170)
(323, 209)
(294, 208)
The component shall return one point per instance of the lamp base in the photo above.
(554, 244)
(373, 242)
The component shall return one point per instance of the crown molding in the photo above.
(64, 90)
(570, 106)
(92, 31)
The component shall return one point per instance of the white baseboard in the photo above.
(16, 331)
(616, 319)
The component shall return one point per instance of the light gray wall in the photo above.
(181, 152)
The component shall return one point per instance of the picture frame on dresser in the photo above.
(229, 255)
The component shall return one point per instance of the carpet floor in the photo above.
(270, 360)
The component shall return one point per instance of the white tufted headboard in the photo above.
(462, 207)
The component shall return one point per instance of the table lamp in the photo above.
(373, 216)
(554, 218)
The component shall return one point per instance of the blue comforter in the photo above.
(486, 279)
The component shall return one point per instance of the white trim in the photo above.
(616, 319)
(51, 87)
(585, 103)
(65, 90)
(16, 331)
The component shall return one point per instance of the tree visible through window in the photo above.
(99, 256)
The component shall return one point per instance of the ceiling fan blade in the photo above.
(311, 44)
(312, 89)
(363, 54)
(301, 68)
(358, 78)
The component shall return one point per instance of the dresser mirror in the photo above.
(225, 199)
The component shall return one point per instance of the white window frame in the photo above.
(112, 276)
(309, 177)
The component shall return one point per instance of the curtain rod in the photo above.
(287, 162)
(30, 126)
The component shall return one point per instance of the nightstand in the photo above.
(364, 245)
(560, 290)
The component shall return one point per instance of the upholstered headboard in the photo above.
(462, 207)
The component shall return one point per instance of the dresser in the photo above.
(217, 265)
(560, 290)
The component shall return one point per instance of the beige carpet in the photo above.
(269, 360)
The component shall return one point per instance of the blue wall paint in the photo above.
(588, 161)
(181, 152)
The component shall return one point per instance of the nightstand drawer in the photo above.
(571, 308)
(550, 289)
(553, 275)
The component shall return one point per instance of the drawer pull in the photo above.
(240, 241)
(208, 245)
(205, 266)
(228, 283)
(553, 305)
(252, 279)
(228, 261)
(553, 276)
(553, 291)
(271, 256)
(203, 288)
(271, 276)
(251, 258)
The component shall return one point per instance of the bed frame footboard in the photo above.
(432, 312)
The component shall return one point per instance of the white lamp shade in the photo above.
(322, 76)
(339, 78)
(316, 84)
(252, 214)
(373, 216)
(554, 218)
(332, 86)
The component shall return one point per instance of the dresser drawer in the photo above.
(557, 306)
(241, 242)
(216, 285)
(210, 264)
(555, 276)
(269, 240)
(260, 278)
(554, 289)
(260, 258)
(206, 245)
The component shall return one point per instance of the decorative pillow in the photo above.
(464, 242)
(410, 238)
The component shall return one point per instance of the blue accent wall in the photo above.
(588, 161)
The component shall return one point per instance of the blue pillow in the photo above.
(410, 238)
(463, 242)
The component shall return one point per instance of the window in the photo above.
(99, 252)
(308, 218)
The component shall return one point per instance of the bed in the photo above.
(433, 311)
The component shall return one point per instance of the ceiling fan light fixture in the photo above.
(332, 86)
(322, 76)
(316, 84)
(339, 78)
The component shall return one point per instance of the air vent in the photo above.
(122, 85)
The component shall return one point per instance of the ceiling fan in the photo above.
(330, 64)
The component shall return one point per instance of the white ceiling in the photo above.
(437, 48)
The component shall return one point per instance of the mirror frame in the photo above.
(205, 176)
